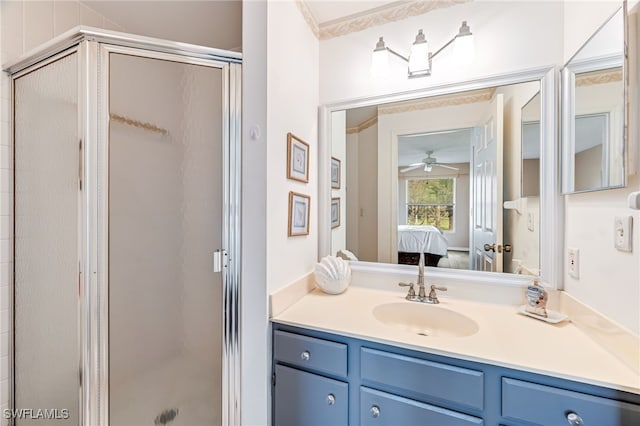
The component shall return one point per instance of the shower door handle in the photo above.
(219, 260)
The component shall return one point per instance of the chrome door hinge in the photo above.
(220, 260)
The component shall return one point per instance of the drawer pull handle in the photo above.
(375, 411)
(574, 419)
(305, 356)
(331, 399)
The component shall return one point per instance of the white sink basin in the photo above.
(425, 320)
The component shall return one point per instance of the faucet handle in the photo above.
(412, 291)
(433, 296)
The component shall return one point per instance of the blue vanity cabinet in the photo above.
(332, 380)
(385, 409)
(309, 399)
(309, 381)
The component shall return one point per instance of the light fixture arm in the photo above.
(433, 55)
(397, 54)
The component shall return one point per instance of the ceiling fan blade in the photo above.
(447, 167)
(408, 169)
(419, 163)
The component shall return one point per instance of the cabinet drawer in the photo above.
(548, 406)
(307, 399)
(383, 409)
(308, 352)
(431, 379)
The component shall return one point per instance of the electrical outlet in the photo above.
(622, 232)
(573, 264)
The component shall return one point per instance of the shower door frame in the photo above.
(93, 48)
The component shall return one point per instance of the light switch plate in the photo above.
(573, 262)
(530, 225)
(622, 232)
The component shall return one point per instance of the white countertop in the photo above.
(504, 338)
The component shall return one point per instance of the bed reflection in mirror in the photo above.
(439, 176)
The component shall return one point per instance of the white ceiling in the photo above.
(357, 116)
(449, 147)
(208, 23)
(330, 10)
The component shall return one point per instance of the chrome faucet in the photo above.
(422, 297)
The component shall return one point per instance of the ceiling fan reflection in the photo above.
(427, 163)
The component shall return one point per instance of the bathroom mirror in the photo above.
(530, 131)
(594, 111)
(419, 175)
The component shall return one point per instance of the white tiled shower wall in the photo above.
(24, 26)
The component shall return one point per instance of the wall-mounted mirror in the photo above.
(593, 111)
(442, 175)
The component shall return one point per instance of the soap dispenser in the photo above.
(537, 298)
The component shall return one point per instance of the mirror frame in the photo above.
(551, 212)
(567, 108)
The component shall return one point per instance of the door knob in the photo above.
(497, 247)
(574, 419)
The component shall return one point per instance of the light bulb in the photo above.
(380, 60)
(419, 57)
(463, 45)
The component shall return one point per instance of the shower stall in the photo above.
(126, 233)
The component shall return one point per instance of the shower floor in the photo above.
(180, 384)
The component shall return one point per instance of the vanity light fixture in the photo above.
(420, 58)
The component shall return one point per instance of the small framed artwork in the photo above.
(297, 158)
(335, 173)
(335, 212)
(299, 211)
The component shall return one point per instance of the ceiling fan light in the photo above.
(428, 167)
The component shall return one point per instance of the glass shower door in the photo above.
(165, 222)
(46, 236)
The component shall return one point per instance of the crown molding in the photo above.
(363, 126)
(308, 17)
(383, 15)
(599, 77)
(483, 95)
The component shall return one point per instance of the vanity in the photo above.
(364, 358)
(369, 356)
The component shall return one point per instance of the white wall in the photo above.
(352, 197)
(339, 151)
(254, 322)
(608, 278)
(368, 194)
(292, 106)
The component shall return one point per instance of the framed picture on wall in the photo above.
(335, 173)
(297, 158)
(335, 212)
(299, 211)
